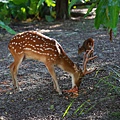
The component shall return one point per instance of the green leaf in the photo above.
(114, 15)
(33, 7)
(101, 13)
(40, 3)
(4, 13)
(90, 9)
(116, 114)
(66, 111)
(80, 107)
(71, 4)
(18, 2)
(107, 14)
(116, 72)
(52, 107)
(49, 18)
(50, 3)
(23, 13)
(7, 28)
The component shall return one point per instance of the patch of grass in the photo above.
(114, 115)
(52, 107)
(67, 110)
(110, 82)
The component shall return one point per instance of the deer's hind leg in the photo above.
(14, 69)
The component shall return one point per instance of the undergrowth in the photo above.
(111, 83)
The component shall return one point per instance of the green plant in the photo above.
(18, 11)
(110, 82)
(115, 114)
(85, 107)
(22, 9)
(4, 11)
(67, 109)
(8, 29)
(107, 14)
(42, 8)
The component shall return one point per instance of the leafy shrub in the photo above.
(4, 12)
(107, 14)
(22, 9)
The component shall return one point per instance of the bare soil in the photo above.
(98, 98)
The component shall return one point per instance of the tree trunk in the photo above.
(62, 9)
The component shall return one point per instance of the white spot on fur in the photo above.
(20, 52)
(41, 45)
(27, 48)
(57, 46)
(23, 41)
(52, 59)
(41, 49)
(37, 45)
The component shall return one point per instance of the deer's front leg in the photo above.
(51, 70)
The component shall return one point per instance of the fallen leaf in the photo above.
(72, 90)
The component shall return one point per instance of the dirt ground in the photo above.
(99, 92)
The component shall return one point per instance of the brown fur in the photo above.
(87, 45)
(34, 45)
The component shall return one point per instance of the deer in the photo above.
(87, 45)
(37, 46)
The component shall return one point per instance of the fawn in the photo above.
(87, 45)
(34, 45)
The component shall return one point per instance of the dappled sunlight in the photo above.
(52, 28)
(56, 25)
(77, 14)
(38, 99)
(48, 31)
